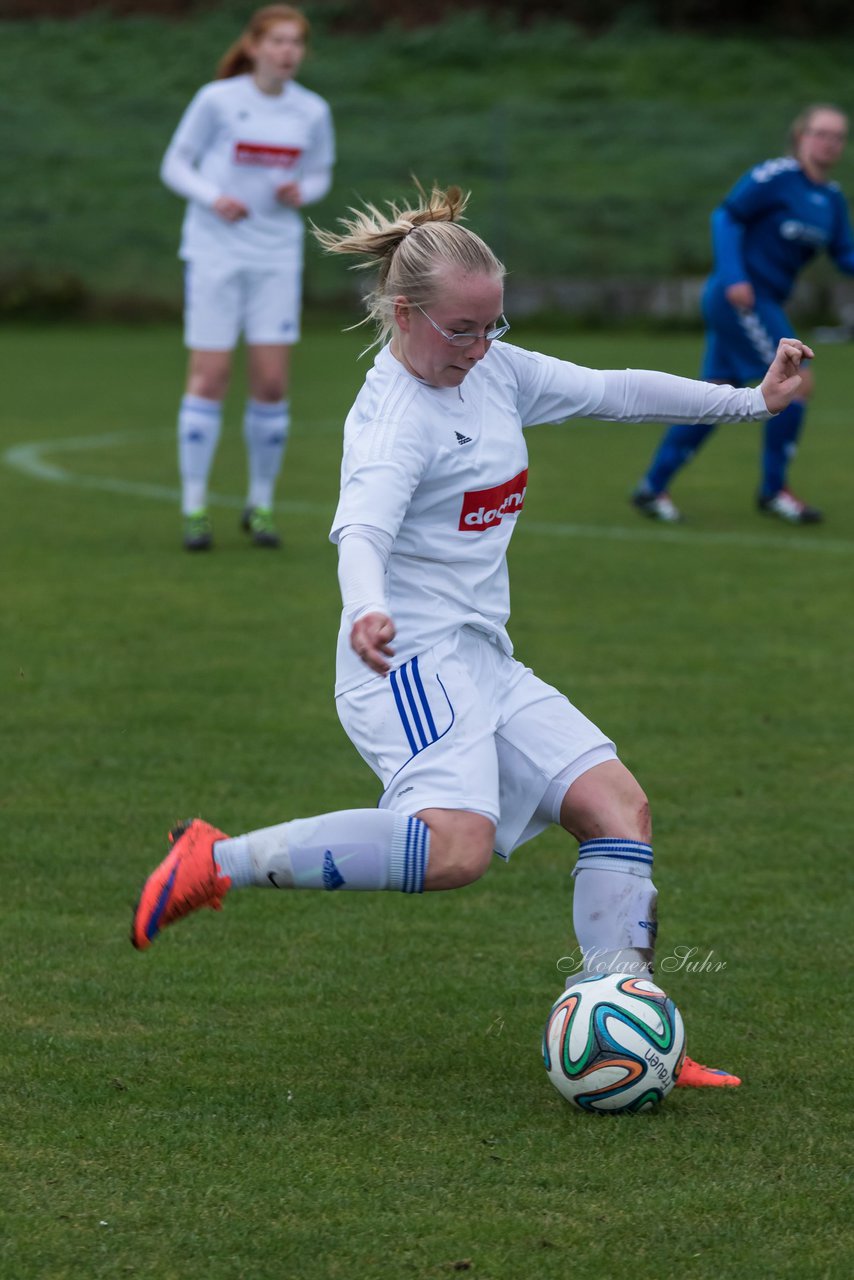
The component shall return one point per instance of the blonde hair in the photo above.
(237, 59)
(804, 119)
(411, 245)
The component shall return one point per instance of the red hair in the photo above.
(237, 59)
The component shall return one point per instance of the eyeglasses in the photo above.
(467, 339)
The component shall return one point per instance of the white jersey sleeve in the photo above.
(552, 390)
(191, 139)
(363, 554)
(316, 177)
(642, 395)
(380, 472)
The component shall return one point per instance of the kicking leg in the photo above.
(356, 849)
(615, 900)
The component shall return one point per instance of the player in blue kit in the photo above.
(773, 222)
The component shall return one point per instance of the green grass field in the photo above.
(349, 1087)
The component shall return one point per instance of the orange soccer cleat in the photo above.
(695, 1076)
(187, 879)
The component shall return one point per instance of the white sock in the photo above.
(351, 849)
(199, 423)
(614, 908)
(265, 430)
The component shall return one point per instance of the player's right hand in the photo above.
(370, 638)
(229, 209)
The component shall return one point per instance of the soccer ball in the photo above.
(614, 1043)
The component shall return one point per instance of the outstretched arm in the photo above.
(642, 395)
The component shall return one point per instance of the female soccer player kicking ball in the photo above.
(475, 753)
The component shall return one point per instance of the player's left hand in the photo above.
(781, 382)
(289, 193)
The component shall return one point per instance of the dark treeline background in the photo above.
(594, 154)
(781, 17)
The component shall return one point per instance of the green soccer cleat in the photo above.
(198, 535)
(258, 521)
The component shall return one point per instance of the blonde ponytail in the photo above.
(410, 244)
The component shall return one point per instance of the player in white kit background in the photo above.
(474, 752)
(252, 148)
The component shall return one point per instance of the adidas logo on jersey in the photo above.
(332, 877)
(461, 439)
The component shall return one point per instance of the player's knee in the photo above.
(626, 811)
(269, 389)
(208, 384)
(461, 847)
(607, 800)
(463, 864)
(643, 817)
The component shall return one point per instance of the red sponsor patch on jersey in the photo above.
(484, 508)
(267, 155)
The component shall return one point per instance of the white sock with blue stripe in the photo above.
(614, 907)
(351, 849)
(199, 423)
(265, 430)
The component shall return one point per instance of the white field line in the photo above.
(31, 459)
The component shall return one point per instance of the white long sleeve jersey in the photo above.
(444, 474)
(235, 140)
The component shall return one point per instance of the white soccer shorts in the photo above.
(464, 726)
(222, 301)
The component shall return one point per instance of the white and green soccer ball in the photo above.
(614, 1043)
